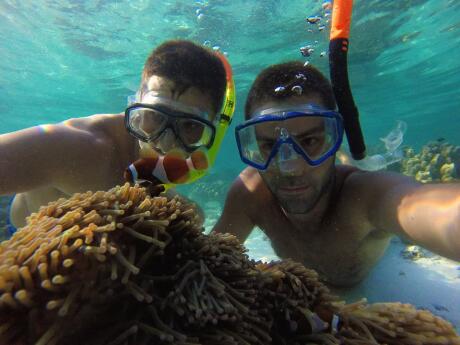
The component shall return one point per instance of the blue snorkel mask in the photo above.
(285, 135)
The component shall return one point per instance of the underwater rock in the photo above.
(436, 161)
(122, 267)
(413, 253)
(447, 171)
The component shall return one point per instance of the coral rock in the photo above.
(436, 161)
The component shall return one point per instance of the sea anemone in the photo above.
(122, 267)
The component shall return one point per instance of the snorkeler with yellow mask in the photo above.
(170, 134)
(198, 137)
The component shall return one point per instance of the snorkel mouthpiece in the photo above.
(167, 169)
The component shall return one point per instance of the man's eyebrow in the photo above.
(317, 129)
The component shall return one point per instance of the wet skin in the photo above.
(339, 244)
(307, 213)
(89, 153)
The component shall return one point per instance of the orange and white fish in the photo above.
(163, 169)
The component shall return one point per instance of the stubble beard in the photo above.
(303, 203)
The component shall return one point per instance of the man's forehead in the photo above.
(297, 126)
(155, 82)
(158, 86)
(292, 103)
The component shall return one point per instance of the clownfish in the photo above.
(170, 168)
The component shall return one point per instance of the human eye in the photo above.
(266, 145)
(145, 120)
(310, 141)
(312, 144)
(191, 130)
(189, 125)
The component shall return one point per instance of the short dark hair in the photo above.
(188, 65)
(286, 75)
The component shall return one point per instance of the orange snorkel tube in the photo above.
(338, 66)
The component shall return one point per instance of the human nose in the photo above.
(292, 167)
(168, 141)
(289, 161)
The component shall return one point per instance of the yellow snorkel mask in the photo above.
(177, 167)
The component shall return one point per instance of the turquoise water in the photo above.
(62, 59)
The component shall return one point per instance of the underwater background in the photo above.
(62, 59)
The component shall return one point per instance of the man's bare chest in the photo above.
(310, 244)
(339, 252)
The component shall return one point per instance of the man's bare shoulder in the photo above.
(367, 181)
(113, 140)
(364, 192)
(239, 214)
(249, 179)
(72, 135)
(249, 190)
(344, 170)
(98, 123)
(353, 182)
(100, 138)
(107, 131)
(250, 183)
(85, 151)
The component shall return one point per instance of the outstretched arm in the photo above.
(43, 155)
(428, 214)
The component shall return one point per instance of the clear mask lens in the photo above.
(147, 123)
(287, 158)
(150, 124)
(312, 136)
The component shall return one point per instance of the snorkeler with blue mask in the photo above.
(283, 143)
(334, 218)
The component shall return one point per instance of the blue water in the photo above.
(61, 59)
